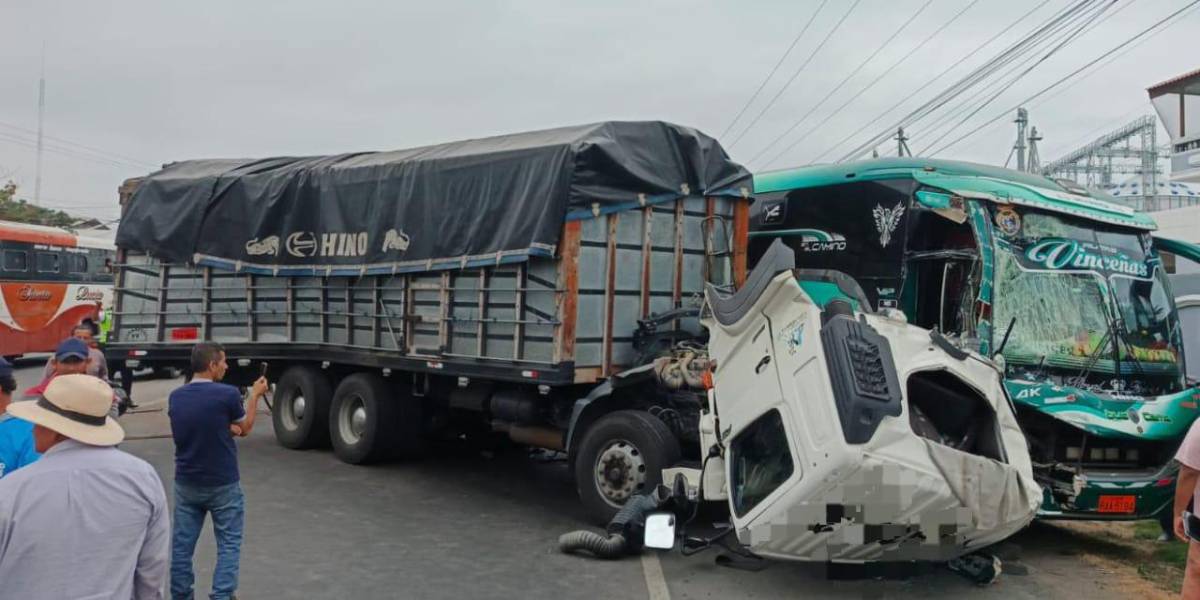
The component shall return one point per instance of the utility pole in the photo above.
(1022, 121)
(37, 179)
(902, 143)
(1034, 163)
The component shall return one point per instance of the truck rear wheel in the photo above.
(301, 408)
(620, 455)
(362, 418)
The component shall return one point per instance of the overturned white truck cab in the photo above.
(851, 436)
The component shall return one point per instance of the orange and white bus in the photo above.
(50, 281)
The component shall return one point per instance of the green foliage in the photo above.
(13, 209)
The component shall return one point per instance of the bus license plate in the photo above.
(1118, 504)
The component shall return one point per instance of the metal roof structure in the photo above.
(1131, 149)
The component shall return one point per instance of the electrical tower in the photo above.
(1019, 147)
(1033, 164)
(902, 143)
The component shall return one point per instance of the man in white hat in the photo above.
(86, 520)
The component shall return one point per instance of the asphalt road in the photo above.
(462, 525)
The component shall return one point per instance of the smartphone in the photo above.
(262, 369)
(1191, 525)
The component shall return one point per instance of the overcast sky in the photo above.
(137, 84)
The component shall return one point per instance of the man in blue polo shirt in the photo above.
(205, 417)
(16, 435)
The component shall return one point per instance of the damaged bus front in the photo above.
(1068, 288)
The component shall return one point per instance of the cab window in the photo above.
(762, 461)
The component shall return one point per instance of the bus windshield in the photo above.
(1088, 300)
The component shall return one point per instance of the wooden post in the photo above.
(741, 238)
(376, 307)
(610, 292)
(447, 299)
(162, 303)
(647, 220)
(677, 288)
(480, 326)
(291, 309)
(206, 304)
(250, 328)
(568, 292)
(709, 225)
(408, 315)
(519, 312)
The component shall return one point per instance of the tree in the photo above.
(15, 209)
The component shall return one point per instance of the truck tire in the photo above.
(362, 419)
(622, 454)
(301, 408)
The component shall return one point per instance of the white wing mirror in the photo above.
(660, 531)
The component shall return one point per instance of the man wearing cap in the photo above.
(16, 435)
(97, 366)
(86, 520)
(72, 356)
(205, 416)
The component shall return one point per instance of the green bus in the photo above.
(1067, 289)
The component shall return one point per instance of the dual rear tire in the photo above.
(366, 418)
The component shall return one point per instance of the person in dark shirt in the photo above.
(205, 417)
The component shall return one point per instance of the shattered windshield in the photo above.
(1086, 297)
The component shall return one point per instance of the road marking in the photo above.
(656, 584)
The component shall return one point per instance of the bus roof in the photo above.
(965, 179)
(51, 236)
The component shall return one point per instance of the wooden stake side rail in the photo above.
(577, 311)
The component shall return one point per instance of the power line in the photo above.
(1067, 38)
(64, 151)
(816, 50)
(1096, 69)
(843, 82)
(1149, 30)
(892, 68)
(779, 63)
(998, 85)
(91, 149)
(980, 73)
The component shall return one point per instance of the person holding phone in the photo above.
(205, 416)
(1187, 526)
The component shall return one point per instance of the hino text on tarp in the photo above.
(545, 287)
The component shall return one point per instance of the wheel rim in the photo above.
(292, 411)
(352, 419)
(620, 472)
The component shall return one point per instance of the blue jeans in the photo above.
(228, 508)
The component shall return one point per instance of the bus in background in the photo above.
(1064, 284)
(50, 281)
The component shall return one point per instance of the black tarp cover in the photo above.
(491, 200)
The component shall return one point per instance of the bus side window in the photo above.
(16, 261)
(47, 262)
(77, 263)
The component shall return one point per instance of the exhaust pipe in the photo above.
(540, 437)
